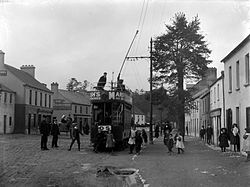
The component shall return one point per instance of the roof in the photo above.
(26, 78)
(75, 97)
(4, 88)
(138, 111)
(236, 49)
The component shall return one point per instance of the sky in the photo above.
(83, 38)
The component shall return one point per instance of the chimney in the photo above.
(1, 60)
(54, 87)
(30, 69)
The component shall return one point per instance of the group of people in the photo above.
(136, 139)
(47, 128)
(208, 131)
(169, 141)
(104, 140)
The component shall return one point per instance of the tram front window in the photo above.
(102, 114)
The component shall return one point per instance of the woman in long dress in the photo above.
(179, 143)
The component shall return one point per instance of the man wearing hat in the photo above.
(246, 143)
(75, 135)
(102, 81)
(44, 130)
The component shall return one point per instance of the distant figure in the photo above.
(75, 136)
(45, 131)
(246, 143)
(102, 81)
(54, 132)
(209, 134)
(202, 132)
(99, 140)
(157, 130)
(179, 143)
(170, 144)
(235, 140)
(131, 140)
(144, 136)
(187, 130)
(110, 141)
(223, 139)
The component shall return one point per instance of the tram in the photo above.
(112, 109)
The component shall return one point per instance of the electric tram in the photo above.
(112, 109)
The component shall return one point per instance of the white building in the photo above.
(217, 112)
(237, 86)
(7, 110)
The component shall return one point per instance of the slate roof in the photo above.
(26, 78)
(75, 97)
(4, 88)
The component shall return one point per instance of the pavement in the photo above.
(22, 163)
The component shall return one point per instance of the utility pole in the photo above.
(151, 75)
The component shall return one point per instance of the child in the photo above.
(110, 142)
(138, 142)
(170, 143)
(246, 143)
(179, 143)
(223, 139)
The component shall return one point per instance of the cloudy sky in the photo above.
(84, 38)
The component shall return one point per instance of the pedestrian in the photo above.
(45, 131)
(170, 144)
(209, 134)
(166, 137)
(235, 138)
(75, 136)
(223, 139)
(110, 142)
(69, 125)
(131, 140)
(138, 142)
(144, 137)
(179, 143)
(187, 130)
(246, 143)
(55, 132)
(202, 133)
(99, 141)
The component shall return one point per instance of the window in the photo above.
(5, 97)
(248, 117)
(80, 109)
(214, 94)
(247, 69)
(10, 121)
(45, 100)
(238, 116)
(75, 109)
(49, 101)
(218, 92)
(10, 98)
(230, 79)
(237, 75)
(35, 97)
(30, 98)
(41, 99)
(87, 110)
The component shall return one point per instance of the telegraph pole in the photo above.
(151, 86)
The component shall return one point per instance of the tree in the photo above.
(75, 85)
(181, 53)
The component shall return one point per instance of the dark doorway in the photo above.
(4, 123)
(29, 123)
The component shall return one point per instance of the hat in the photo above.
(105, 73)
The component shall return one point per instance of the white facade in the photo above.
(7, 111)
(140, 119)
(217, 112)
(237, 87)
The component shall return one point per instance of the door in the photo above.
(4, 123)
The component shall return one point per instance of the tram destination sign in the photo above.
(120, 96)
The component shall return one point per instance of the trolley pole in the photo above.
(151, 86)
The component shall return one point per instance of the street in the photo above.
(24, 164)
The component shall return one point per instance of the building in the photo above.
(139, 116)
(7, 110)
(237, 86)
(217, 109)
(199, 113)
(33, 99)
(75, 104)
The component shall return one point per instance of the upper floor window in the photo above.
(247, 69)
(75, 109)
(230, 79)
(49, 101)
(45, 100)
(5, 97)
(35, 97)
(214, 94)
(30, 98)
(41, 99)
(87, 111)
(80, 109)
(10, 98)
(237, 75)
(218, 92)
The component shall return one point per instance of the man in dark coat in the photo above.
(44, 130)
(75, 136)
(102, 81)
(54, 132)
(99, 141)
(209, 134)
